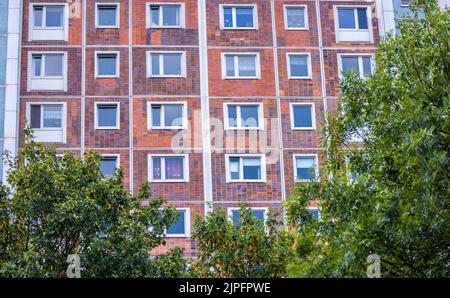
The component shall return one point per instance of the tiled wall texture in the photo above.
(134, 91)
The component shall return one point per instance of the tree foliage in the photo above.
(251, 248)
(62, 205)
(397, 202)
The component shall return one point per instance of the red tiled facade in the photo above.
(203, 90)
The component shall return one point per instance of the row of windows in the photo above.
(181, 228)
(47, 71)
(238, 168)
(51, 18)
(51, 117)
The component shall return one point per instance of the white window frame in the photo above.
(148, 21)
(50, 30)
(63, 118)
(117, 75)
(234, 6)
(241, 168)
(288, 60)
(265, 209)
(162, 103)
(238, 114)
(187, 224)
(163, 168)
(49, 79)
(161, 64)
(236, 66)
(286, 7)
(116, 155)
(313, 115)
(402, 4)
(369, 31)
(296, 179)
(360, 62)
(117, 5)
(96, 117)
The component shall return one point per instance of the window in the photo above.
(295, 17)
(167, 115)
(305, 167)
(168, 168)
(353, 18)
(48, 22)
(109, 165)
(165, 15)
(107, 15)
(48, 121)
(246, 168)
(361, 65)
(107, 115)
(258, 213)
(47, 71)
(240, 66)
(180, 228)
(107, 64)
(299, 65)
(238, 17)
(314, 211)
(166, 64)
(302, 116)
(243, 116)
(352, 24)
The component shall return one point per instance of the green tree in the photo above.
(390, 194)
(252, 248)
(62, 205)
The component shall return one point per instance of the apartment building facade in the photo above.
(214, 102)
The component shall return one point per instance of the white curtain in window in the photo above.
(305, 162)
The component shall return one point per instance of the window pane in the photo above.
(295, 17)
(53, 65)
(314, 213)
(298, 65)
(252, 168)
(244, 17)
(367, 67)
(106, 64)
(53, 116)
(236, 216)
(173, 115)
(247, 66)
(232, 116)
(37, 63)
(155, 64)
(259, 214)
(230, 65)
(178, 226)
(362, 18)
(171, 15)
(172, 64)
(54, 16)
(107, 115)
(302, 116)
(108, 165)
(107, 15)
(156, 115)
(234, 168)
(38, 16)
(174, 167)
(305, 168)
(154, 15)
(35, 116)
(350, 64)
(346, 17)
(228, 17)
(156, 167)
(249, 116)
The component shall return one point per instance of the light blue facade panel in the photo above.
(3, 41)
(3, 16)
